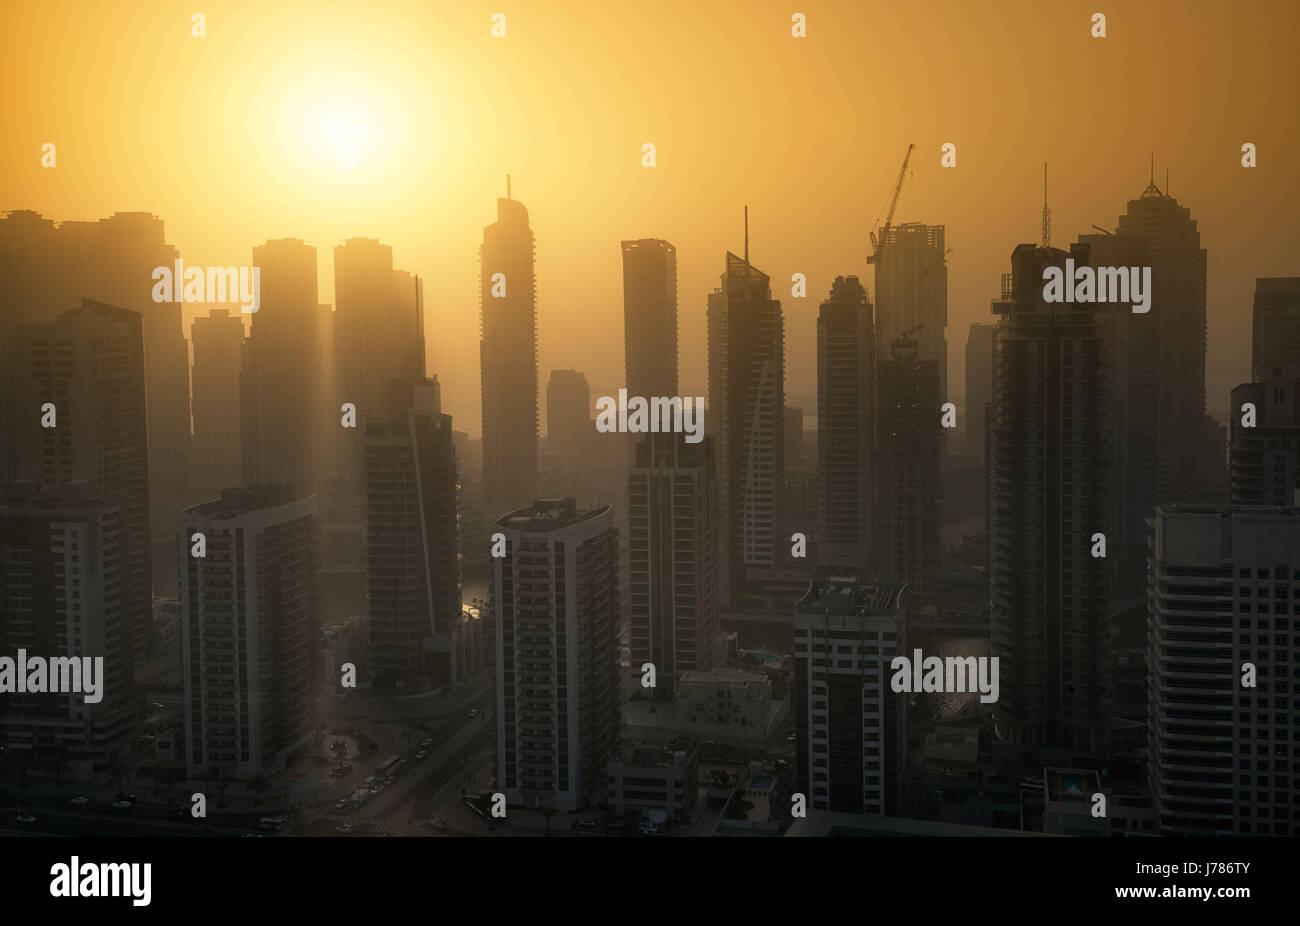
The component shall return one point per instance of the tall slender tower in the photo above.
(747, 416)
(1178, 265)
(650, 316)
(280, 396)
(912, 291)
(846, 399)
(1049, 595)
(508, 357)
(218, 341)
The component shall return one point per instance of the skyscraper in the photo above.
(1048, 594)
(674, 539)
(379, 333)
(851, 728)
(88, 367)
(979, 383)
(846, 399)
(1265, 457)
(1178, 265)
(1223, 583)
(112, 261)
(746, 414)
(412, 552)
(65, 592)
(218, 340)
(906, 467)
(911, 291)
(650, 317)
(250, 619)
(568, 416)
(508, 358)
(1276, 322)
(280, 395)
(1130, 415)
(557, 600)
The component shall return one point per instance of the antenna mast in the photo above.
(507, 186)
(1047, 213)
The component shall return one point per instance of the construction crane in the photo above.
(878, 247)
(934, 263)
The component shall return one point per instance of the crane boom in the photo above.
(878, 247)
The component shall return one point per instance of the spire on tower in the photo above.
(1047, 213)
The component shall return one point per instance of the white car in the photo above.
(438, 824)
(121, 805)
(344, 828)
(427, 743)
(420, 755)
(649, 829)
(79, 802)
(25, 818)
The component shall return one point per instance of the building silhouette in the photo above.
(906, 460)
(556, 607)
(88, 366)
(746, 415)
(1276, 323)
(979, 384)
(250, 623)
(569, 426)
(218, 339)
(1049, 597)
(1188, 451)
(1223, 579)
(281, 399)
(911, 291)
(674, 545)
(411, 540)
(508, 358)
(650, 317)
(1264, 459)
(846, 400)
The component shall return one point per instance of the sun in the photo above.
(342, 134)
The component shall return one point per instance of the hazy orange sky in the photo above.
(234, 138)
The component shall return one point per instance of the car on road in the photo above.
(426, 743)
(344, 828)
(25, 818)
(438, 824)
(342, 803)
(420, 755)
(121, 805)
(158, 705)
(78, 802)
(649, 828)
(473, 712)
(589, 825)
(792, 737)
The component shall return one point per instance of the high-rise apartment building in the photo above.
(846, 400)
(1049, 596)
(218, 340)
(65, 594)
(1276, 322)
(556, 609)
(673, 539)
(280, 393)
(412, 551)
(979, 384)
(569, 427)
(746, 415)
(912, 291)
(1223, 643)
(850, 726)
(508, 358)
(906, 467)
(650, 317)
(250, 624)
(84, 377)
(1264, 459)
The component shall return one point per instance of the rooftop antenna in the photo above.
(746, 257)
(1153, 168)
(1047, 213)
(507, 186)
(1167, 193)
